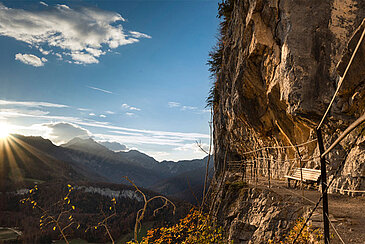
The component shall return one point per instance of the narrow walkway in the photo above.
(347, 214)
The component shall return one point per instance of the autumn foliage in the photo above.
(307, 234)
(196, 227)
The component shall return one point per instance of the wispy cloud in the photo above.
(84, 33)
(188, 108)
(99, 89)
(137, 34)
(109, 112)
(91, 114)
(173, 104)
(15, 111)
(129, 114)
(43, 3)
(192, 147)
(102, 116)
(32, 104)
(83, 109)
(126, 106)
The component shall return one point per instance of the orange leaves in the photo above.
(194, 228)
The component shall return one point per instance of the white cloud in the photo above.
(109, 112)
(102, 116)
(62, 132)
(30, 59)
(83, 58)
(173, 104)
(32, 104)
(137, 34)
(59, 56)
(192, 147)
(91, 114)
(99, 89)
(83, 109)
(130, 114)
(126, 106)
(188, 108)
(43, 3)
(44, 52)
(35, 112)
(83, 33)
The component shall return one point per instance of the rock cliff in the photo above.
(280, 62)
(277, 65)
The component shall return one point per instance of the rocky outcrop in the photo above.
(280, 65)
(255, 215)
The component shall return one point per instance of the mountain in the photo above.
(86, 145)
(28, 160)
(24, 163)
(85, 159)
(114, 146)
(187, 185)
(113, 165)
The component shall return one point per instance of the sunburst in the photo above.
(5, 130)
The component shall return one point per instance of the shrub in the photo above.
(195, 228)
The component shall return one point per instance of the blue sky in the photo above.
(128, 71)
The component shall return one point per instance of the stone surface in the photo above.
(253, 215)
(281, 63)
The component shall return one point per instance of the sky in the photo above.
(132, 72)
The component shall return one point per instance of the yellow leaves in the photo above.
(195, 228)
(307, 234)
(54, 228)
(73, 207)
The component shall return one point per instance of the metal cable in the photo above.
(333, 227)
(341, 79)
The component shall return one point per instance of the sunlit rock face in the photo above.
(281, 64)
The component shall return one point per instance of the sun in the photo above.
(4, 130)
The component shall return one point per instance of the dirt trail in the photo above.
(347, 214)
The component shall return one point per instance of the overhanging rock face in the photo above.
(281, 62)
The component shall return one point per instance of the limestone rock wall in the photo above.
(281, 61)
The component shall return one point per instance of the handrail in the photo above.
(345, 133)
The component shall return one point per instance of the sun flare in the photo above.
(4, 130)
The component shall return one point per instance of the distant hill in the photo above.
(187, 185)
(88, 160)
(24, 163)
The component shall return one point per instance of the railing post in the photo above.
(324, 188)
